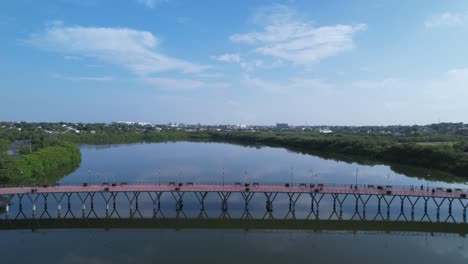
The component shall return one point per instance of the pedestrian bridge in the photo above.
(235, 201)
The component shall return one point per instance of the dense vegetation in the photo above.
(131, 137)
(43, 166)
(4, 146)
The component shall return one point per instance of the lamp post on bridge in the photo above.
(159, 177)
(427, 181)
(292, 176)
(355, 186)
(312, 176)
(21, 171)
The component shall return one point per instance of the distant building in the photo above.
(325, 131)
(282, 125)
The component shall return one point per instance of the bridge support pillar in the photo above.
(247, 198)
(402, 208)
(314, 204)
(450, 216)
(426, 215)
(7, 210)
(389, 204)
(201, 199)
(156, 203)
(224, 200)
(178, 196)
(464, 205)
(269, 202)
(336, 198)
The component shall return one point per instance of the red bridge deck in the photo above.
(437, 193)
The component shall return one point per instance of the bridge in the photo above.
(248, 201)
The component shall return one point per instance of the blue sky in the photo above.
(359, 62)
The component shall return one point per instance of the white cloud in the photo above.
(314, 84)
(73, 58)
(132, 49)
(381, 84)
(246, 65)
(233, 103)
(445, 19)
(443, 96)
(291, 85)
(83, 78)
(182, 84)
(461, 73)
(211, 75)
(151, 3)
(287, 37)
(257, 83)
(251, 65)
(228, 57)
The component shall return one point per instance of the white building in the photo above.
(325, 131)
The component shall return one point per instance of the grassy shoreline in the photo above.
(44, 166)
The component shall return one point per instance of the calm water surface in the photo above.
(227, 246)
(205, 162)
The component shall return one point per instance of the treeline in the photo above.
(131, 137)
(4, 146)
(449, 158)
(43, 166)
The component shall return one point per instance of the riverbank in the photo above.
(44, 166)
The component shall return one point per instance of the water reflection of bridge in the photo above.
(398, 227)
(249, 201)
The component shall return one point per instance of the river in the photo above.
(215, 162)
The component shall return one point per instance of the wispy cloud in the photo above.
(440, 93)
(228, 57)
(294, 84)
(246, 65)
(211, 75)
(446, 19)
(287, 37)
(386, 83)
(257, 83)
(183, 84)
(132, 49)
(72, 58)
(233, 103)
(82, 78)
(460, 73)
(151, 3)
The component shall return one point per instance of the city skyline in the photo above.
(248, 62)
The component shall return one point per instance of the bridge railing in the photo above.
(254, 184)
